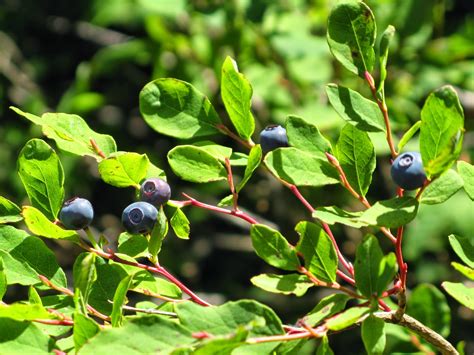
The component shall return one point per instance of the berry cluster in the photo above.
(138, 217)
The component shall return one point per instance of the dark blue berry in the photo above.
(139, 217)
(273, 137)
(155, 191)
(407, 171)
(76, 213)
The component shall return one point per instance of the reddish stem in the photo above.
(230, 180)
(247, 143)
(236, 213)
(68, 292)
(66, 322)
(399, 254)
(383, 108)
(154, 269)
(96, 148)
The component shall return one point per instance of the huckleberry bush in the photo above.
(93, 315)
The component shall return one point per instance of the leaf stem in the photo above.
(230, 180)
(157, 269)
(96, 148)
(247, 143)
(237, 213)
(68, 292)
(383, 108)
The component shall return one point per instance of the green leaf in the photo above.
(464, 248)
(334, 214)
(441, 131)
(466, 271)
(175, 108)
(442, 188)
(373, 335)
(226, 318)
(25, 257)
(17, 337)
(460, 292)
(286, 284)
(253, 162)
(323, 347)
(3, 279)
(300, 168)
(355, 109)
(326, 308)
(218, 151)
(226, 201)
(347, 318)
(373, 271)
(272, 247)
(134, 245)
(124, 169)
(408, 135)
(159, 232)
(72, 134)
(84, 329)
(356, 154)
(466, 171)
(120, 298)
(9, 212)
(33, 296)
(429, 306)
(385, 40)
(306, 136)
(146, 332)
(103, 289)
(195, 164)
(391, 213)
(38, 224)
(351, 35)
(85, 274)
(144, 281)
(21, 311)
(318, 251)
(43, 177)
(180, 224)
(236, 93)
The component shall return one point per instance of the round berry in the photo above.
(76, 213)
(139, 217)
(407, 171)
(272, 137)
(155, 191)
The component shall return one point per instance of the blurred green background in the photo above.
(92, 57)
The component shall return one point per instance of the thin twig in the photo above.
(192, 201)
(420, 329)
(96, 149)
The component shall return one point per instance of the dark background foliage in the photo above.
(92, 58)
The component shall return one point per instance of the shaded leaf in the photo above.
(180, 224)
(408, 135)
(442, 188)
(429, 306)
(318, 251)
(355, 109)
(9, 212)
(356, 154)
(120, 298)
(391, 213)
(466, 171)
(272, 247)
(351, 35)
(334, 214)
(373, 335)
(326, 308)
(253, 162)
(347, 318)
(464, 248)
(306, 136)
